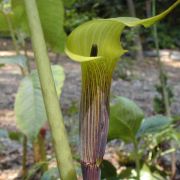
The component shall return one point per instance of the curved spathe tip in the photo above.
(105, 34)
(102, 33)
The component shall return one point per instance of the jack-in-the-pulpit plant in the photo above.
(96, 45)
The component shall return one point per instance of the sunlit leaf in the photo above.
(153, 124)
(16, 16)
(29, 105)
(51, 16)
(125, 119)
(52, 19)
(146, 174)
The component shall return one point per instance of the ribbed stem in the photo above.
(91, 172)
(94, 115)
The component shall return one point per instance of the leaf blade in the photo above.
(29, 105)
(52, 20)
(153, 124)
(16, 60)
(125, 119)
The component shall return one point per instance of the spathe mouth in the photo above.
(94, 50)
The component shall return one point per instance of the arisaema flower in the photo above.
(96, 45)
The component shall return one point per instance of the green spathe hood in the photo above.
(105, 33)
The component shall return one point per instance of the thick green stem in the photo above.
(59, 135)
(94, 115)
(137, 161)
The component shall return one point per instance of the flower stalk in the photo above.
(94, 114)
(59, 134)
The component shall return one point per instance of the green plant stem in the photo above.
(59, 135)
(137, 161)
(39, 146)
(94, 115)
(26, 54)
(24, 157)
(36, 151)
(40, 151)
(41, 142)
(160, 65)
(162, 80)
(11, 29)
(23, 72)
(137, 39)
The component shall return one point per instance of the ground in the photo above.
(140, 87)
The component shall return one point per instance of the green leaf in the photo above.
(125, 119)
(146, 173)
(107, 170)
(51, 16)
(15, 135)
(17, 60)
(153, 124)
(34, 170)
(105, 33)
(125, 174)
(29, 105)
(52, 19)
(68, 3)
(51, 174)
(3, 24)
(16, 16)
